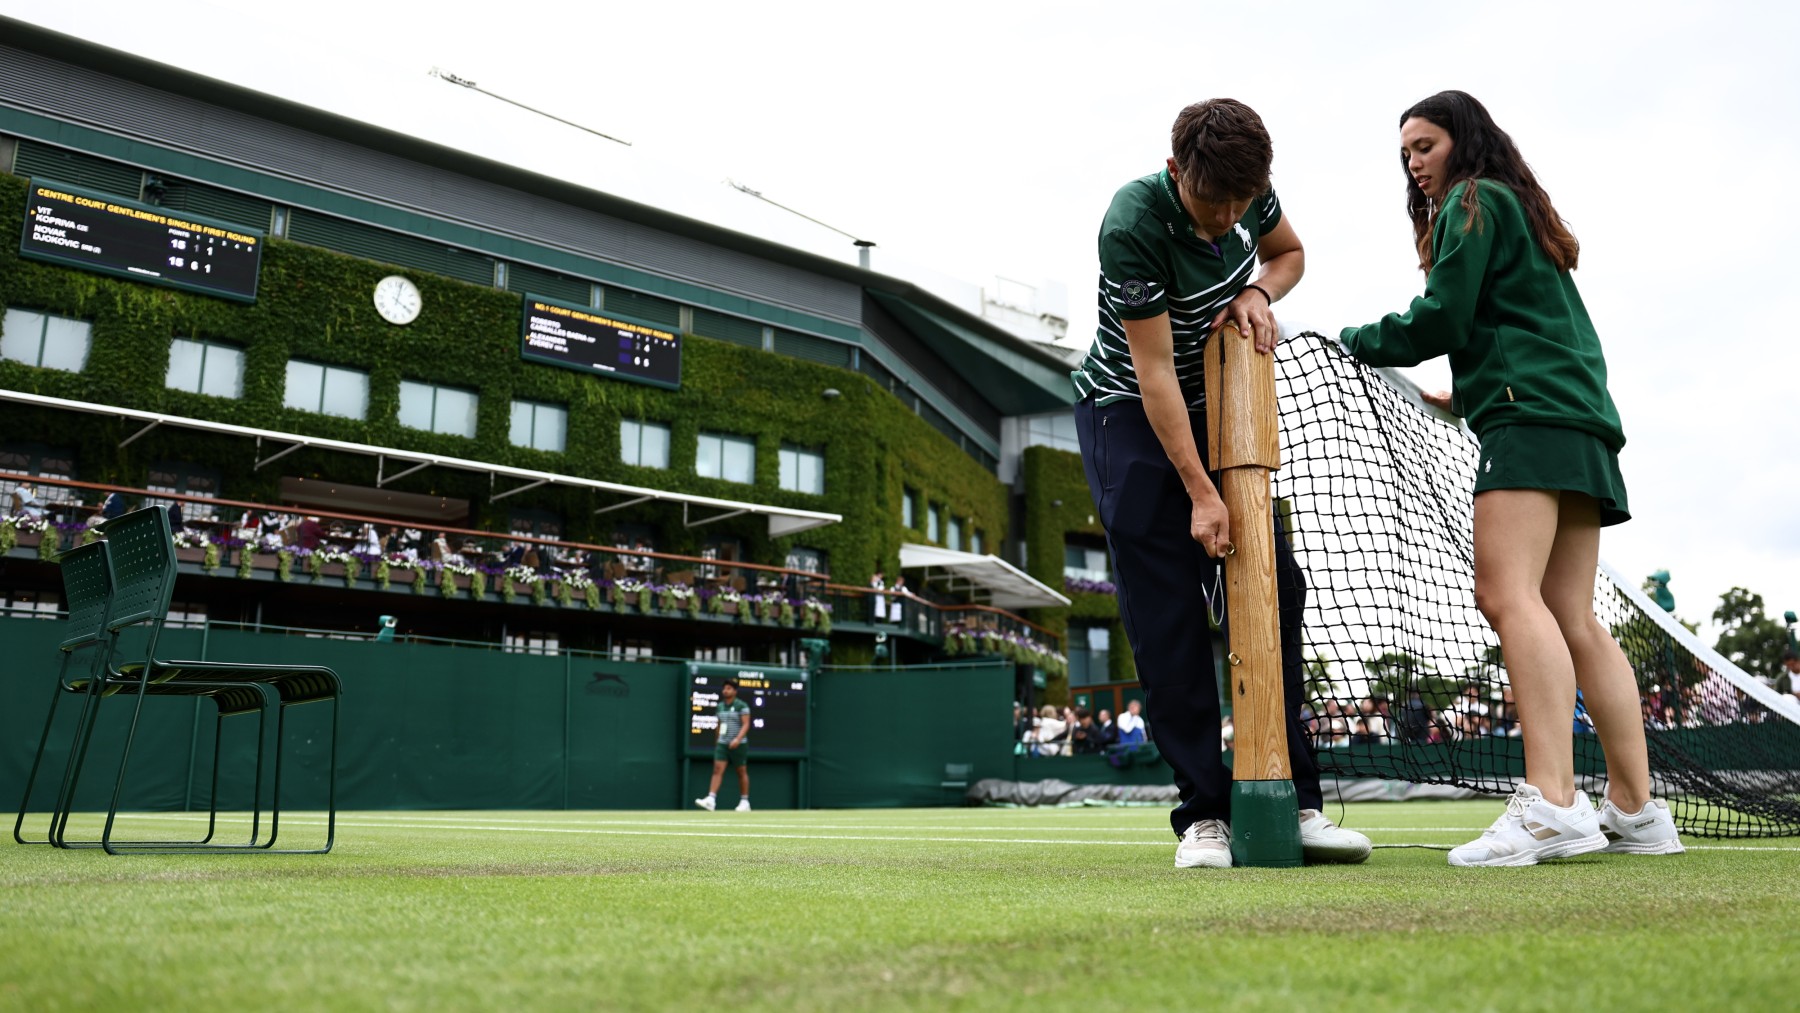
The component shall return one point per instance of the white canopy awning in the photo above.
(782, 520)
(1005, 585)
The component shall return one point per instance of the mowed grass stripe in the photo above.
(540, 911)
(685, 828)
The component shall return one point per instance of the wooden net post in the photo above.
(1244, 445)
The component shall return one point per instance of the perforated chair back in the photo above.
(143, 563)
(88, 588)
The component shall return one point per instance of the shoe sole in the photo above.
(1325, 854)
(1580, 846)
(1223, 862)
(1659, 848)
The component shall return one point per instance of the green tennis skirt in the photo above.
(1551, 457)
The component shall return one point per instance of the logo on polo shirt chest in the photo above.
(1134, 292)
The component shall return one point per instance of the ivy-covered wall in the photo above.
(1057, 504)
(317, 305)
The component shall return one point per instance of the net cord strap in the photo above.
(1781, 703)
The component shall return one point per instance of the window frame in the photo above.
(207, 345)
(723, 440)
(531, 425)
(437, 389)
(668, 432)
(43, 337)
(325, 371)
(799, 455)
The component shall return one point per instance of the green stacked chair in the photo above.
(88, 589)
(144, 564)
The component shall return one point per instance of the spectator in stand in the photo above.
(112, 506)
(25, 502)
(897, 608)
(1227, 733)
(1021, 723)
(1790, 664)
(1109, 729)
(1085, 736)
(877, 602)
(1415, 719)
(1132, 729)
(309, 533)
(369, 541)
(175, 522)
(1050, 732)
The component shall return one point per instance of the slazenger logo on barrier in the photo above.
(608, 684)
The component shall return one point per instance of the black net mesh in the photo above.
(1406, 679)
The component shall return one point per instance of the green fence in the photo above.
(442, 727)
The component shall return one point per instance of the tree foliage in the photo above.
(1752, 639)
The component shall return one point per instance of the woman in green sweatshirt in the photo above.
(1529, 376)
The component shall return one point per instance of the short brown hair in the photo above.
(1222, 149)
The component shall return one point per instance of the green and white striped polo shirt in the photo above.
(1152, 262)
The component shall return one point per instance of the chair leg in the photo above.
(37, 761)
(203, 845)
(84, 735)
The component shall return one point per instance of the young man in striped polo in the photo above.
(1182, 252)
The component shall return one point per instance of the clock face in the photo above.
(397, 300)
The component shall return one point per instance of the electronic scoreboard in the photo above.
(779, 708)
(593, 340)
(99, 232)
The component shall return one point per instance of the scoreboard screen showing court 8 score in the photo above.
(778, 701)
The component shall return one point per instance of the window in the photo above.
(182, 479)
(328, 390)
(953, 539)
(530, 643)
(732, 458)
(977, 540)
(41, 339)
(205, 367)
(630, 650)
(540, 426)
(934, 522)
(802, 470)
(909, 509)
(1089, 648)
(1085, 562)
(30, 605)
(45, 462)
(1053, 430)
(186, 615)
(810, 560)
(645, 444)
(732, 654)
(446, 410)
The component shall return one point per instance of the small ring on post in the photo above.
(1234, 659)
(1230, 548)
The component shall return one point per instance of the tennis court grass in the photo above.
(943, 908)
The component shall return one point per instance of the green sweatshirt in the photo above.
(1522, 350)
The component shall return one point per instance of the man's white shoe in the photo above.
(743, 805)
(1324, 841)
(1532, 830)
(706, 802)
(1649, 831)
(1206, 844)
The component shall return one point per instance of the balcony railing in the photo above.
(568, 573)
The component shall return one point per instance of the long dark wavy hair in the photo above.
(1480, 150)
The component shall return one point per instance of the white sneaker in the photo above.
(1324, 841)
(1205, 844)
(1649, 831)
(1532, 830)
(743, 805)
(706, 802)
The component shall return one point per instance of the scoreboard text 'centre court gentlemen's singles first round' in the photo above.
(100, 232)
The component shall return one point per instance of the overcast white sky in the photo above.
(978, 140)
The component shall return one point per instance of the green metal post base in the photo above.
(1265, 824)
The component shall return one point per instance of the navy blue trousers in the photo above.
(1163, 577)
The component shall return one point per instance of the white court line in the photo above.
(825, 837)
(734, 821)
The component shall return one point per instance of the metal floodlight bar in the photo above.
(271, 460)
(706, 520)
(621, 506)
(381, 478)
(516, 489)
(133, 436)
